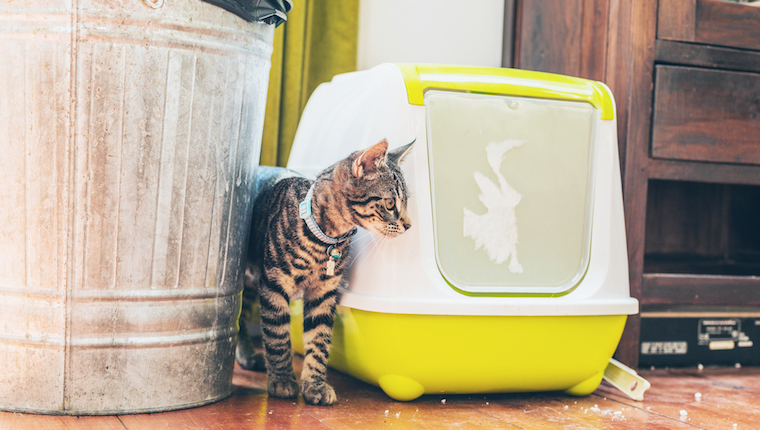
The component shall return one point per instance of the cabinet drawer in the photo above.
(712, 22)
(706, 115)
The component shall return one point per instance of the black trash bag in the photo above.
(266, 11)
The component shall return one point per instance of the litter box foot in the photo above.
(400, 387)
(586, 387)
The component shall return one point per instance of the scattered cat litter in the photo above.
(566, 407)
(398, 414)
(616, 415)
(698, 396)
(683, 413)
(443, 401)
(700, 366)
(386, 412)
(270, 412)
(738, 365)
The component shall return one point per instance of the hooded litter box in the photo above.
(514, 275)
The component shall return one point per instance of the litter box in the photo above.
(514, 275)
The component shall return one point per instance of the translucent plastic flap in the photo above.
(512, 182)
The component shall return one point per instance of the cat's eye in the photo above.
(390, 203)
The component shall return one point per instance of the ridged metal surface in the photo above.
(129, 135)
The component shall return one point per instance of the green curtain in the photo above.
(318, 41)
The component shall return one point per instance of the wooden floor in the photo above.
(713, 398)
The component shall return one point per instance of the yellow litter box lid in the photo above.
(511, 158)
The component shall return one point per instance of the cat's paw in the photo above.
(250, 360)
(318, 393)
(283, 386)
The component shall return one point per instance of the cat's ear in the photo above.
(397, 155)
(369, 160)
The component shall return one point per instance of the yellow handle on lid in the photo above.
(513, 82)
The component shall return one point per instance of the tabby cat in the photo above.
(300, 238)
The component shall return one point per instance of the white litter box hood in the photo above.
(515, 201)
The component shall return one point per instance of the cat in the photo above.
(300, 238)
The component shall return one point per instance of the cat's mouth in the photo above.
(392, 230)
(387, 230)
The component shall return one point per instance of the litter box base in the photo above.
(411, 355)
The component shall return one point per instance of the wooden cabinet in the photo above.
(686, 77)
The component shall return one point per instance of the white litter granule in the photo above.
(567, 407)
(386, 412)
(487, 403)
(738, 365)
(443, 401)
(270, 412)
(651, 368)
(700, 366)
(698, 396)
(398, 414)
(683, 413)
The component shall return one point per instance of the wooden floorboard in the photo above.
(19, 421)
(729, 398)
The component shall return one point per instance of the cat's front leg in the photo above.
(318, 315)
(275, 327)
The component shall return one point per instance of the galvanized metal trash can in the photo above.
(129, 135)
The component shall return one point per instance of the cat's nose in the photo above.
(407, 226)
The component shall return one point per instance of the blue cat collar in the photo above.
(304, 211)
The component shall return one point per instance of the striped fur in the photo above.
(287, 262)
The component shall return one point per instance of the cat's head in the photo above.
(375, 190)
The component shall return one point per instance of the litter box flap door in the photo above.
(512, 185)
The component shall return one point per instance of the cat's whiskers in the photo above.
(380, 245)
(361, 233)
(393, 257)
(373, 243)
